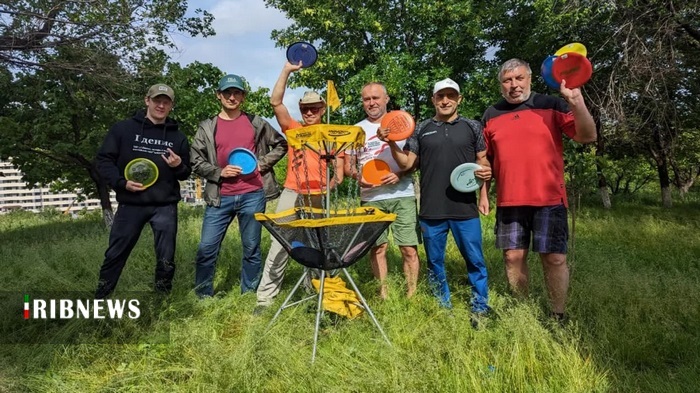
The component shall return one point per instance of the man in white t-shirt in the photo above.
(395, 194)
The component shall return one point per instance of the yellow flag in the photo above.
(332, 96)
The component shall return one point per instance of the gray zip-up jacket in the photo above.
(270, 147)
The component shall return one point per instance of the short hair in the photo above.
(378, 84)
(512, 64)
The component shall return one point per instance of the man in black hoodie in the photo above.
(151, 135)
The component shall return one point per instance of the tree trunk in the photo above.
(684, 178)
(599, 153)
(605, 196)
(664, 180)
(100, 185)
(660, 152)
(686, 187)
(103, 194)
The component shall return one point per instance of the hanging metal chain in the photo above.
(355, 190)
(299, 163)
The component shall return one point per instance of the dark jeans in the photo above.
(216, 222)
(126, 230)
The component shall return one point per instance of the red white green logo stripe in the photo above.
(26, 306)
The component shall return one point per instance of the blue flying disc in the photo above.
(243, 158)
(546, 70)
(302, 51)
(463, 179)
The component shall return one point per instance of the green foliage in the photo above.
(194, 87)
(58, 118)
(31, 29)
(258, 102)
(78, 68)
(407, 45)
(628, 175)
(579, 166)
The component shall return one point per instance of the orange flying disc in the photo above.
(374, 170)
(400, 125)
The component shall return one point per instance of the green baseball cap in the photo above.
(231, 80)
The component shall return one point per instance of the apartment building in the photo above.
(16, 194)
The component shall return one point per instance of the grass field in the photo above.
(634, 308)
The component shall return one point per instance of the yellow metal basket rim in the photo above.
(346, 216)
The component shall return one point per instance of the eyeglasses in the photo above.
(314, 109)
(231, 92)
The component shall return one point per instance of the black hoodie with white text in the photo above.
(138, 137)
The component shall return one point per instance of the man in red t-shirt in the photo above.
(305, 175)
(523, 134)
(233, 191)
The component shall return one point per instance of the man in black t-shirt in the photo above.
(436, 148)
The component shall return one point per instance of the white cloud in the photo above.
(234, 18)
(242, 44)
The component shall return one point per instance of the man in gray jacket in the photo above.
(232, 190)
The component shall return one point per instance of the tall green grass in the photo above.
(634, 307)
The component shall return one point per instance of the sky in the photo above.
(242, 44)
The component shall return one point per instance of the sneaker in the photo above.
(479, 320)
(561, 318)
(259, 310)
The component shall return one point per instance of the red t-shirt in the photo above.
(524, 145)
(229, 135)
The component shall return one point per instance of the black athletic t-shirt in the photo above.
(440, 148)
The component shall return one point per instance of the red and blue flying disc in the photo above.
(546, 71)
(572, 67)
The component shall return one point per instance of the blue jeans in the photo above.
(467, 235)
(216, 222)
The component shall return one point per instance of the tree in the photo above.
(57, 118)
(644, 56)
(73, 69)
(32, 28)
(651, 87)
(408, 45)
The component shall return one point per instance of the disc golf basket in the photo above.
(334, 236)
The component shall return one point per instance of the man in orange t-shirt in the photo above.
(307, 178)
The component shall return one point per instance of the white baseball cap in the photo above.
(446, 83)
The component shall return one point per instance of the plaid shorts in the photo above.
(548, 224)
